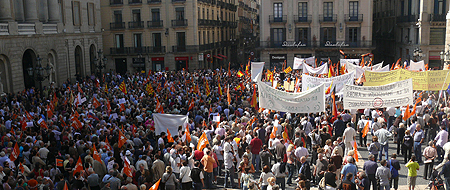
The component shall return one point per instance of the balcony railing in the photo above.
(437, 18)
(179, 23)
(407, 18)
(346, 44)
(176, 49)
(136, 25)
(285, 44)
(302, 18)
(117, 25)
(118, 51)
(155, 24)
(134, 1)
(138, 50)
(116, 2)
(353, 18)
(328, 18)
(308, 44)
(153, 1)
(157, 49)
(178, 1)
(277, 19)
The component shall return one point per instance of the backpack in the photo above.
(282, 167)
(394, 172)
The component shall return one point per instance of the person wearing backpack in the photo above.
(394, 166)
(197, 176)
(280, 172)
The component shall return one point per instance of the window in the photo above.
(91, 14)
(157, 46)
(119, 40)
(179, 13)
(199, 37)
(207, 14)
(76, 13)
(303, 11)
(181, 40)
(328, 11)
(204, 37)
(302, 35)
(328, 35)
(417, 35)
(137, 40)
(156, 15)
(439, 7)
(136, 15)
(437, 36)
(352, 36)
(213, 37)
(118, 16)
(278, 36)
(278, 12)
(353, 11)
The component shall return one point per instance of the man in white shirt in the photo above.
(391, 113)
(440, 139)
(228, 162)
(349, 135)
(161, 139)
(279, 175)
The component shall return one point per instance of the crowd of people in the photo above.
(98, 133)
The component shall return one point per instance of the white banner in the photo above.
(360, 70)
(383, 69)
(319, 70)
(311, 60)
(257, 68)
(417, 66)
(352, 61)
(310, 101)
(298, 63)
(309, 82)
(390, 95)
(169, 121)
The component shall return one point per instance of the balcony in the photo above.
(407, 18)
(116, 2)
(346, 44)
(136, 25)
(189, 49)
(157, 49)
(302, 19)
(353, 18)
(285, 44)
(131, 2)
(4, 29)
(153, 1)
(277, 19)
(178, 1)
(437, 18)
(155, 24)
(328, 18)
(117, 25)
(118, 51)
(137, 50)
(179, 23)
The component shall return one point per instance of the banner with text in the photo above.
(310, 101)
(391, 95)
(309, 82)
(298, 63)
(424, 80)
(169, 121)
(360, 70)
(319, 70)
(416, 66)
(257, 68)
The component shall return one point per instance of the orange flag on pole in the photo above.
(202, 142)
(95, 103)
(78, 167)
(127, 169)
(366, 129)
(191, 105)
(15, 153)
(65, 186)
(169, 137)
(355, 147)
(188, 134)
(274, 132)
(228, 96)
(156, 185)
(406, 115)
(122, 139)
(96, 155)
(59, 162)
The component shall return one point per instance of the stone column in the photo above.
(18, 10)
(53, 11)
(447, 41)
(5, 10)
(30, 10)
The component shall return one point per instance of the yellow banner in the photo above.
(425, 80)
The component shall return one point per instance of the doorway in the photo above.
(28, 62)
(121, 65)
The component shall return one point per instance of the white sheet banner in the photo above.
(417, 66)
(298, 63)
(169, 121)
(257, 68)
(374, 67)
(311, 60)
(319, 70)
(383, 69)
(353, 61)
(360, 70)
(309, 82)
(390, 95)
(310, 101)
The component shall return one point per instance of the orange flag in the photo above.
(95, 103)
(122, 107)
(59, 163)
(274, 132)
(254, 102)
(191, 105)
(169, 137)
(159, 108)
(96, 155)
(76, 123)
(78, 167)
(366, 129)
(413, 111)
(21, 168)
(65, 186)
(49, 112)
(107, 145)
(122, 139)
(127, 169)
(15, 153)
(228, 96)
(42, 123)
(406, 115)
(109, 107)
(188, 134)
(156, 185)
(202, 142)
(355, 147)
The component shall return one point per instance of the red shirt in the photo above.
(198, 155)
(256, 144)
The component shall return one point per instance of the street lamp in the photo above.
(39, 73)
(418, 54)
(100, 62)
(445, 57)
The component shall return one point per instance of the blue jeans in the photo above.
(291, 169)
(440, 153)
(280, 181)
(197, 186)
(256, 160)
(229, 173)
(384, 187)
(208, 180)
(447, 183)
(385, 147)
(418, 151)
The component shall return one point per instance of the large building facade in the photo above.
(62, 34)
(248, 30)
(142, 35)
(320, 28)
(402, 26)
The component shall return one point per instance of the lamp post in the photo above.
(39, 73)
(100, 62)
(417, 54)
(445, 57)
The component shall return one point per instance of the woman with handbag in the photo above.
(169, 180)
(186, 180)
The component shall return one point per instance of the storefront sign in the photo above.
(293, 44)
(337, 44)
(279, 57)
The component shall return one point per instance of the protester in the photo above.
(394, 166)
(370, 168)
(383, 174)
(413, 167)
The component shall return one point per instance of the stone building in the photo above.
(320, 28)
(62, 34)
(142, 35)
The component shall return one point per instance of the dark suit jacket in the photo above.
(305, 169)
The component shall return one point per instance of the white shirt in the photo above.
(184, 174)
(276, 171)
(391, 111)
(301, 151)
(141, 162)
(441, 138)
(174, 163)
(264, 176)
(160, 141)
(349, 134)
